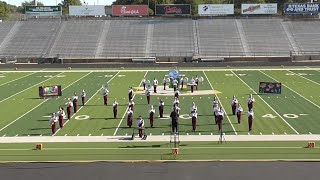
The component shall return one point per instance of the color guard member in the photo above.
(131, 105)
(176, 102)
(115, 109)
(83, 97)
(148, 96)
(105, 96)
(155, 85)
(52, 121)
(141, 127)
(194, 116)
(161, 108)
(176, 108)
(239, 113)
(174, 121)
(177, 94)
(234, 103)
(250, 119)
(69, 108)
(75, 103)
(164, 82)
(130, 93)
(250, 102)
(152, 111)
(129, 117)
(175, 84)
(61, 114)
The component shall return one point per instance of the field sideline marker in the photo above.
(42, 102)
(29, 87)
(266, 103)
(291, 89)
(18, 78)
(115, 132)
(86, 102)
(220, 104)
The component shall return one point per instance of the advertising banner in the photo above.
(43, 11)
(130, 10)
(88, 10)
(215, 9)
(270, 87)
(259, 8)
(173, 9)
(301, 8)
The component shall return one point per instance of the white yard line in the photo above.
(17, 79)
(115, 132)
(42, 101)
(266, 103)
(291, 90)
(182, 70)
(86, 102)
(304, 77)
(40, 83)
(220, 104)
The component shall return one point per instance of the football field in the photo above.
(295, 111)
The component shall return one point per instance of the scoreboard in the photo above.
(270, 87)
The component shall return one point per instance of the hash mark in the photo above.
(199, 134)
(4, 135)
(162, 134)
(77, 134)
(260, 133)
(272, 133)
(89, 134)
(65, 134)
(211, 133)
(187, 134)
(150, 134)
(310, 133)
(40, 134)
(16, 135)
(285, 133)
(102, 134)
(248, 133)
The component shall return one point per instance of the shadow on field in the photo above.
(104, 128)
(34, 129)
(102, 118)
(147, 146)
(42, 120)
(35, 98)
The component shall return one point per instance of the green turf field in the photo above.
(295, 111)
(206, 151)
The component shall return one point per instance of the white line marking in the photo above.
(285, 133)
(304, 77)
(150, 134)
(40, 134)
(82, 106)
(291, 90)
(162, 134)
(65, 134)
(126, 134)
(42, 103)
(272, 133)
(248, 133)
(266, 103)
(187, 134)
(211, 133)
(102, 134)
(29, 88)
(260, 133)
(200, 134)
(77, 134)
(115, 132)
(220, 103)
(17, 79)
(310, 133)
(16, 135)
(89, 134)
(4, 135)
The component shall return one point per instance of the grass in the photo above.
(295, 110)
(158, 151)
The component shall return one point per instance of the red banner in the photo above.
(130, 10)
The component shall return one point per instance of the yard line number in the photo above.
(289, 116)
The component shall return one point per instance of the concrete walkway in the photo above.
(184, 138)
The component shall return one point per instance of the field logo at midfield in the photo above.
(289, 116)
(82, 117)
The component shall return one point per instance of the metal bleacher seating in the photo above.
(219, 37)
(307, 35)
(30, 39)
(125, 38)
(172, 38)
(77, 39)
(266, 37)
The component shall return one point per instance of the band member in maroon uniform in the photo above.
(141, 127)
(52, 121)
(196, 80)
(129, 117)
(164, 82)
(115, 109)
(155, 85)
(69, 108)
(130, 93)
(144, 84)
(148, 96)
(75, 103)
(83, 97)
(61, 115)
(175, 84)
(192, 84)
(131, 105)
(250, 119)
(215, 109)
(176, 102)
(161, 107)
(239, 113)
(105, 94)
(152, 111)
(182, 81)
(250, 102)
(194, 116)
(177, 94)
(234, 103)
(220, 118)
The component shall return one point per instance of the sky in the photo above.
(54, 2)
